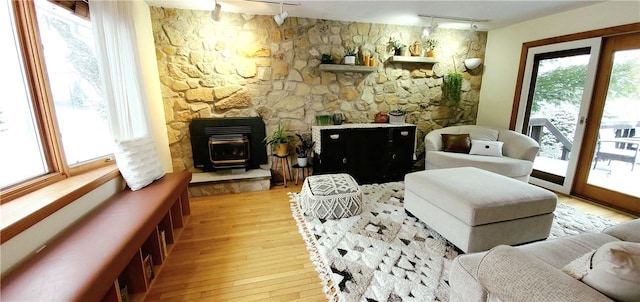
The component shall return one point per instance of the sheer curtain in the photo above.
(117, 53)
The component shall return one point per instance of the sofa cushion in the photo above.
(560, 251)
(613, 269)
(627, 231)
(458, 143)
(488, 148)
(506, 166)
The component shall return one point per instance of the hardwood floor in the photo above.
(246, 247)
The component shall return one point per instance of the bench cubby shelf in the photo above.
(106, 250)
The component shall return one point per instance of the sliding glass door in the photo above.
(554, 102)
(610, 170)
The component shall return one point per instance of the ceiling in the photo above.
(498, 13)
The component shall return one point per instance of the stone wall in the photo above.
(246, 65)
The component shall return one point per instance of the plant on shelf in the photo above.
(430, 45)
(350, 56)
(305, 145)
(396, 46)
(279, 141)
(326, 59)
(397, 116)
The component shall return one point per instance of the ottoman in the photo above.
(331, 196)
(476, 209)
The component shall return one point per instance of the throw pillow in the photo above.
(613, 269)
(489, 148)
(458, 143)
(138, 162)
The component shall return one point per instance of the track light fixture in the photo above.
(215, 13)
(280, 17)
(472, 30)
(429, 29)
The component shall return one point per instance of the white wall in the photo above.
(151, 77)
(502, 57)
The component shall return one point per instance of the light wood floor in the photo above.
(246, 247)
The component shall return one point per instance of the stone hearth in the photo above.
(226, 182)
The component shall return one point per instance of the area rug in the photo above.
(386, 255)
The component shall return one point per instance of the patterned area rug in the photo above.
(386, 255)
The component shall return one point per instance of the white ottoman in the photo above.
(477, 210)
(331, 196)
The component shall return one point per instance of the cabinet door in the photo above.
(372, 149)
(335, 149)
(400, 154)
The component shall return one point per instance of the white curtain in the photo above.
(117, 53)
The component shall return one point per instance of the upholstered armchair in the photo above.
(501, 151)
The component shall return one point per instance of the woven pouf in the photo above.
(331, 196)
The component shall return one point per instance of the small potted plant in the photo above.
(430, 46)
(326, 59)
(397, 116)
(305, 145)
(279, 141)
(396, 46)
(350, 56)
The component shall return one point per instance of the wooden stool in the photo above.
(283, 160)
(305, 172)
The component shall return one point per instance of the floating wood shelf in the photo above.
(416, 59)
(346, 68)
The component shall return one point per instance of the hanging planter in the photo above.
(453, 86)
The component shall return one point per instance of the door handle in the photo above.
(583, 120)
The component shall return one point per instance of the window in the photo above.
(54, 117)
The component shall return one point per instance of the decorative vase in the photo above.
(405, 51)
(302, 161)
(282, 149)
(431, 53)
(350, 60)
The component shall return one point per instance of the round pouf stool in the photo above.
(331, 196)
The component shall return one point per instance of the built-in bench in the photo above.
(114, 247)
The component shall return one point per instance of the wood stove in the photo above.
(228, 143)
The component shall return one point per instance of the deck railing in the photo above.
(536, 125)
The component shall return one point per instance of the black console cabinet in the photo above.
(371, 153)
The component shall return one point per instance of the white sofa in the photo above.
(533, 272)
(518, 150)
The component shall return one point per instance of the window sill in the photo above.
(24, 212)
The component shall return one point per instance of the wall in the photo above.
(248, 66)
(505, 44)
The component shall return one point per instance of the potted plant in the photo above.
(326, 59)
(453, 86)
(279, 141)
(430, 45)
(305, 145)
(397, 116)
(350, 56)
(396, 46)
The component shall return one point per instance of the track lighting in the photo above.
(280, 17)
(215, 13)
(429, 29)
(472, 30)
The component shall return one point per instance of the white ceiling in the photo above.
(499, 13)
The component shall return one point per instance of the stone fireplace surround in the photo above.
(248, 66)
